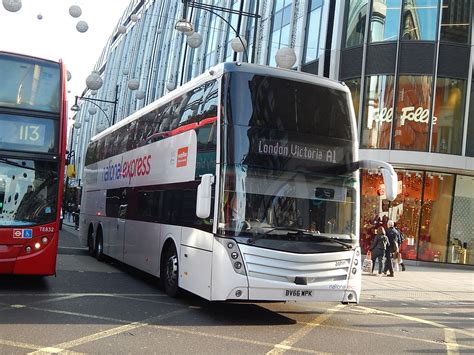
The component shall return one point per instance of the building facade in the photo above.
(408, 63)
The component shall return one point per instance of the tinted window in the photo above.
(284, 105)
(29, 83)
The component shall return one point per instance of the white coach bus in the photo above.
(240, 185)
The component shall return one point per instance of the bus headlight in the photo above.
(37, 245)
(28, 249)
(44, 240)
(234, 254)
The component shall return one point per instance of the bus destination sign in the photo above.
(320, 153)
(23, 132)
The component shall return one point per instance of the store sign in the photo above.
(409, 113)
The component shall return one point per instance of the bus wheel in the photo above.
(99, 247)
(169, 272)
(90, 243)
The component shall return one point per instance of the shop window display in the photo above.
(404, 210)
(435, 216)
(461, 237)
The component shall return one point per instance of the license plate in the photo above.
(299, 293)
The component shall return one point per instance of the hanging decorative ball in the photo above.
(39, 17)
(122, 29)
(133, 84)
(140, 95)
(77, 125)
(12, 5)
(94, 81)
(82, 26)
(285, 57)
(92, 111)
(75, 11)
(69, 76)
(125, 72)
(134, 17)
(195, 40)
(93, 92)
(238, 44)
(170, 86)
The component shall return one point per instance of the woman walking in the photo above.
(378, 247)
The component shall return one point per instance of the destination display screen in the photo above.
(28, 133)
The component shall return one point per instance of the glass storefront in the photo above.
(356, 16)
(461, 238)
(412, 119)
(432, 212)
(378, 112)
(385, 20)
(420, 20)
(455, 21)
(448, 116)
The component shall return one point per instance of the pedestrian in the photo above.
(401, 238)
(378, 248)
(392, 251)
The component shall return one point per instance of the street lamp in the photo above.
(76, 107)
(185, 26)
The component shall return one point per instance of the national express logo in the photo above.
(127, 169)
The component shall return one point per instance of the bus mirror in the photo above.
(203, 200)
(390, 177)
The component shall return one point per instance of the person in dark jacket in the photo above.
(378, 247)
(393, 237)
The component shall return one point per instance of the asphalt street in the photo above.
(97, 307)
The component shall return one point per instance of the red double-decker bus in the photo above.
(33, 120)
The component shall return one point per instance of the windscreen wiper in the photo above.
(12, 163)
(303, 232)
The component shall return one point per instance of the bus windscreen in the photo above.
(29, 83)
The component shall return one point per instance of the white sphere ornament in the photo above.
(125, 72)
(285, 57)
(238, 44)
(39, 17)
(92, 111)
(170, 86)
(69, 76)
(12, 5)
(94, 81)
(122, 29)
(75, 11)
(77, 125)
(82, 26)
(140, 95)
(134, 17)
(195, 40)
(93, 92)
(133, 84)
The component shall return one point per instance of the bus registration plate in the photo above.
(299, 293)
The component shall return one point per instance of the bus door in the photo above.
(122, 213)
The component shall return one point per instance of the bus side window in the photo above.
(191, 108)
(210, 102)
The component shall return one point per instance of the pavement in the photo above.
(433, 282)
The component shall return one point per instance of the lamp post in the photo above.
(76, 107)
(186, 27)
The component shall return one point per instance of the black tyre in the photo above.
(170, 271)
(99, 247)
(90, 244)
